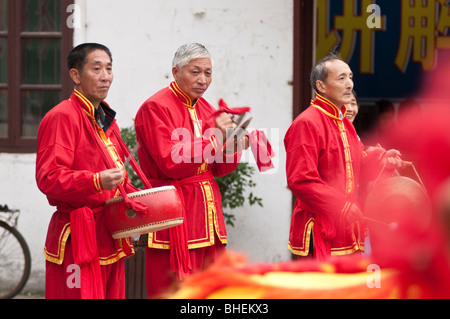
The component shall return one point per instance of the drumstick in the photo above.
(132, 153)
(392, 226)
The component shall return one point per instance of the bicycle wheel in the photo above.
(15, 261)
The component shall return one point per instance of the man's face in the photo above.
(194, 78)
(339, 84)
(95, 78)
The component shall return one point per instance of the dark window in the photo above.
(34, 42)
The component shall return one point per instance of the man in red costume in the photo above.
(324, 164)
(79, 165)
(182, 138)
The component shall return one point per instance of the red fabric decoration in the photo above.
(259, 144)
(261, 149)
(223, 107)
(85, 253)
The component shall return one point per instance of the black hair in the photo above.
(320, 72)
(356, 97)
(77, 58)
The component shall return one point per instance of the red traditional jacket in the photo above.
(72, 151)
(324, 158)
(178, 147)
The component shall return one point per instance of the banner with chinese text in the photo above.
(389, 44)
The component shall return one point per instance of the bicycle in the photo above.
(15, 258)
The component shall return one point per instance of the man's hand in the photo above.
(354, 214)
(111, 178)
(392, 159)
(239, 145)
(224, 122)
(243, 143)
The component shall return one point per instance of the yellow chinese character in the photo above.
(350, 22)
(417, 34)
(326, 40)
(443, 42)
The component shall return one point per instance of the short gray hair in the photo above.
(188, 52)
(320, 71)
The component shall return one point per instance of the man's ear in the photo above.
(175, 72)
(75, 75)
(320, 87)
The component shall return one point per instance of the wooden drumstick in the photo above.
(132, 153)
(392, 226)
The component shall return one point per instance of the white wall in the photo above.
(19, 191)
(252, 49)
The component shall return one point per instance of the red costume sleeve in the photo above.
(305, 147)
(55, 172)
(170, 148)
(174, 150)
(225, 163)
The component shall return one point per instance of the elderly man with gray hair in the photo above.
(325, 165)
(181, 139)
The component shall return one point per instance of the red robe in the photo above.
(72, 151)
(324, 157)
(177, 146)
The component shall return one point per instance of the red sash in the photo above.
(180, 261)
(85, 253)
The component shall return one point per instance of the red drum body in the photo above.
(164, 210)
(402, 202)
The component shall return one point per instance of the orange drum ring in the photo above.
(149, 228)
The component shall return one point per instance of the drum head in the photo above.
(399, 200)
(141, 193)
(403, 203)
(146, 229)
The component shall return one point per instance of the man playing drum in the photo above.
(79, 165)
(181, 138)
